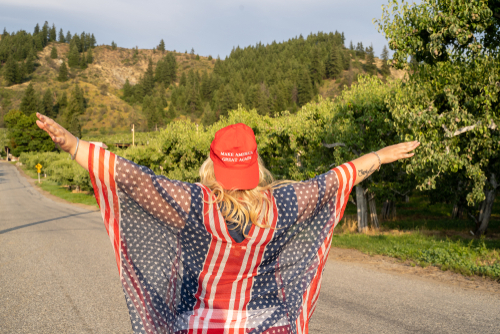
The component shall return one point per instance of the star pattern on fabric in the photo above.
(168, 248)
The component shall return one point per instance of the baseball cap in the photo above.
(234, 153)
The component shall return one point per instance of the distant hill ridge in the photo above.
(270, 78)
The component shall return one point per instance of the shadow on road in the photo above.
(43, 221)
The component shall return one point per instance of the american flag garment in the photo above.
(183, 273)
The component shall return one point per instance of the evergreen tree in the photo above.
(171, 113)
(127, 91)
(10, 71)
(29, 64)
(183, 80)
(161, 46)
(63, 72)
(90, 56)
(62, 102)
(360, 51)
(148, 79)
(316, 67)
(74, 109)
(370, 66)
(37, 29)
(53, 53)
(30, 103)
(53, 34)
(113, 45)
(346, 59)
(48, 104)
(152, 108)
(68, 37)
(209, 116)
(83, 62)
(227, 101)
(74, 55)
(304, 89)
(45, 33)
(334, 65)
(385, 59)
(93, 41)
(62, 39)
(351, 46)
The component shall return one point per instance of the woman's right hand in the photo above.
(59, 135)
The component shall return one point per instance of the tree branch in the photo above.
(450, 134)
(333, 145)
(493, 181)
(397, 192)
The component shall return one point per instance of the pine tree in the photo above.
(209, 116)
(183, 80)
(74, 55)
(385, 62)
(48, 104)
(37, 29)
(316, 66)
(53, 34)
(227, 101)
(304, 89)
(93, 41)
(370, 66)
(90, 56)
(334, 65)
(127, 91)
(150, 109)
(62, 102)
(68, 37)
(113, 45)
(53, 53)
(10, 71)
(45, 33)
(63, 72)
(148, 79)
(30, 103)
(29, 64)
(62, 39)
(171, 113)
(161, 46)
(360, 50)
(351, 46)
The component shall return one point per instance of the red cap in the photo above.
(234, 153)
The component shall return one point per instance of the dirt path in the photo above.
(394, 266)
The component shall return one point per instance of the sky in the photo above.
(210, 27)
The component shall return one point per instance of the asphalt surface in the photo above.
(58, 275)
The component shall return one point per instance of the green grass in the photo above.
(60, 191)
(467, 257)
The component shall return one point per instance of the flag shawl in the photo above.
(181, 270)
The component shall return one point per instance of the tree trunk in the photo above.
(373, 211)
(362, 210)
(485, 212)
(407, 199)
(388, 210)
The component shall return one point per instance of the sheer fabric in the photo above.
(181, 270)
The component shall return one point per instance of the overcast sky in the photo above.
(210, 27)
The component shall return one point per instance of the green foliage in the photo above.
(48, 104)
(63, 72)
(370, 66)
(31, 103)
(113, 45)
(53, 53)
(334, 65)
(385, 62)
(466, 257)
(74, 55)
(450, 101)
(24, 134)
(161, 46)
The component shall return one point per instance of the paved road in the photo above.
(57, 275)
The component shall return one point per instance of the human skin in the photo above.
(365, 165)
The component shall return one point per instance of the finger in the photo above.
(45, 119)
(407, 155)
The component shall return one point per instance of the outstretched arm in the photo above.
(65, 140)
(369, 163)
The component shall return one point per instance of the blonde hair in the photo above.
(242, 207)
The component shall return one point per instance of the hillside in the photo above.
(103, 80)
(101, 83)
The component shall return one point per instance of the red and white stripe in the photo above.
(102, 165)
(346, 176)
(224, 286)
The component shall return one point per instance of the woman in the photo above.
(236, 253)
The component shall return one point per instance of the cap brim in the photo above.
(241, 178)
